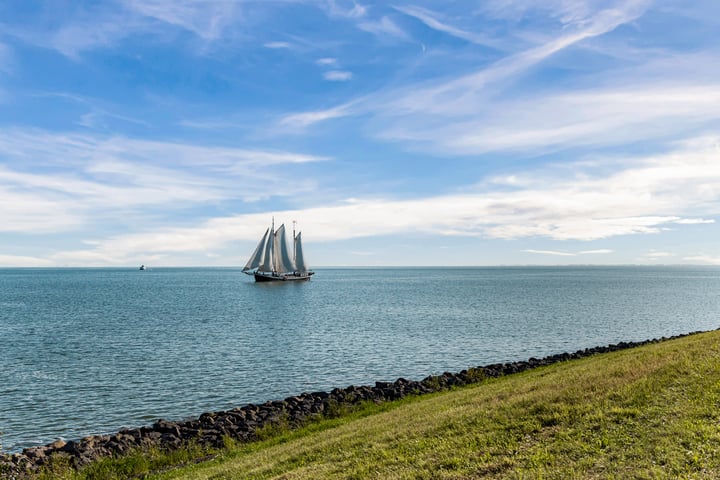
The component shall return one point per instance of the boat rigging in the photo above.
(271, 261)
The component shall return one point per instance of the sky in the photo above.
(453, 133)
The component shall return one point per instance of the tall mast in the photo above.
(294, 243)
(271, 240)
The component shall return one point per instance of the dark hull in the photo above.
(292, 277)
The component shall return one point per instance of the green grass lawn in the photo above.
(648, 412)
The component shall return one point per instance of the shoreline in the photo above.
(242, 423)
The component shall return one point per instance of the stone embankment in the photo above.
(245, 423)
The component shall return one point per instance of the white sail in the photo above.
(257, 256)
(276, 260)
(267, 262)
(283, 262)
(299, 258)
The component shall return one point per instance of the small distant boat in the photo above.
(271, 261)
(142, 267)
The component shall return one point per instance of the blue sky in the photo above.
(508, 132)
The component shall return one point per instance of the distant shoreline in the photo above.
(370, 267)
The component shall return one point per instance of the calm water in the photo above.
(88, 351)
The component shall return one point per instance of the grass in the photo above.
(650, 412)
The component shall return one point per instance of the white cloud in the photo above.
(431, 20)
(277, 45)
(335, 10)
(154, 246)
(694, 221)
(306, 119)
(205, 19)
(73, 39)
(25, 211)
(567, 12)
(385, 27)
(656, 254)
(455, 113)
(550, 252)
(580, 119)
(82, 28)
(124, 173)
(97, 118)
(55, 182)
(337, 76)
(642, 199)
(569, 254)
(703, 259)
(603, 22)
(24, 261)
(65, 149)
(326, 61)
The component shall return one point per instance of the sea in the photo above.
(91, 351)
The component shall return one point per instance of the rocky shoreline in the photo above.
(243, 423)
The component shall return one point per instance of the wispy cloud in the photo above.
(642, 199)
(334, 75)
(98, 119)
(466, 116)
(277, 45)
(546, 123)
(431, 20)
(5, 67)
(98, 116)
(551, 252)
(6, 56)
(566, 12)
(338, 76)
(25, 211)
(656, 254)
(385, 27)
(81, 28)
(593, 118)
(703, 259)
(205, 19)
(24, 261)
(71, 178)
(72, 40)
(444, 113)
(570, 254)
(305, 119)
(334, 9)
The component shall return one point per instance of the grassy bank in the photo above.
(649, 412)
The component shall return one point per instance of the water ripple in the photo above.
(88, 351)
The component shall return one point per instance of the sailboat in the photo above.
(271, 261)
